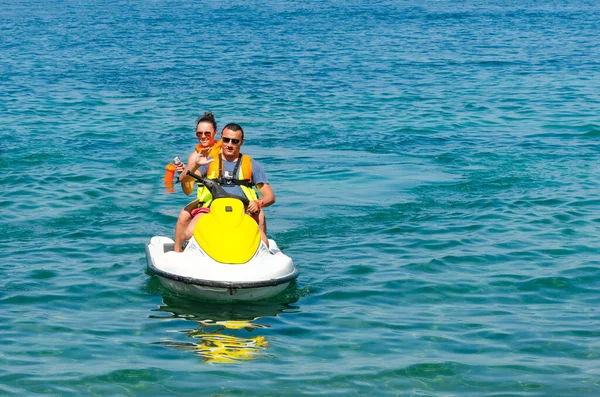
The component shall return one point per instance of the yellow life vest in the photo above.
(243, 180)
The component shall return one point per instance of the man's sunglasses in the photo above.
(203, 133)
(227, 140)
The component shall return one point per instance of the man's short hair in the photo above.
(233, 127)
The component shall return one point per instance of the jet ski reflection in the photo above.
(222, 333)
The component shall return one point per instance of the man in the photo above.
(231, 166)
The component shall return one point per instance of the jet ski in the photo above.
(225, 259)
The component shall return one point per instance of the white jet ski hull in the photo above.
(193, 273)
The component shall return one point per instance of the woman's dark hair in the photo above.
(233, 127)
(209, 118)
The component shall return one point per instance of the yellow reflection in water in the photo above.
(220, 348)
(232, 324)
(224, 332)
(226, 349)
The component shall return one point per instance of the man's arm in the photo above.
(267, 199)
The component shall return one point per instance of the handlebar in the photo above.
(217, 190)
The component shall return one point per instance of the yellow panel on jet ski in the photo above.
(227, 234)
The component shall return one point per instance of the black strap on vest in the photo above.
(227, 181)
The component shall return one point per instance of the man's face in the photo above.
(230, 148)
(205, 134)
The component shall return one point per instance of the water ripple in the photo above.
(435, 166)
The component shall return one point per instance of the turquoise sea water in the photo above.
(436, 171)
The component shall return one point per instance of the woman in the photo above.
(207, 149)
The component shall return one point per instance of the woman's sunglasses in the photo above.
(203, 133)
(227, 140)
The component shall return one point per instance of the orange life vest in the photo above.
(215, 150)
(243, 179)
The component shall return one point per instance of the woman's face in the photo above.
(206, 133)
